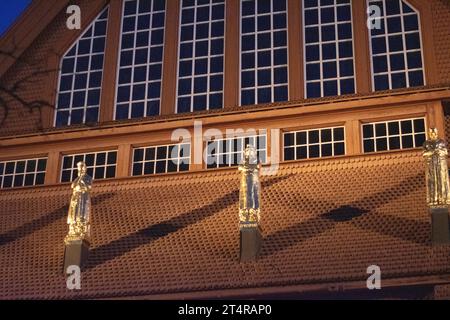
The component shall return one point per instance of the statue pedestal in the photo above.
(440, 233)
(76, 253)
(250, 243)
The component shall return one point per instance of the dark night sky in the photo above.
(10, 11)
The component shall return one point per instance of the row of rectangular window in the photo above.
(227, 152)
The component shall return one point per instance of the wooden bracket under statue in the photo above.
(250, 243)
(76, 253)
(440, 230)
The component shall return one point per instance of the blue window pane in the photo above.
(330, 88)
(281, 93)
(347, 86)
(139, 92)
(93, 97)
(414, 60)
(76, 116)
(264, 95)
(137, 110)
(313, 71)
(346, 68)
(378, 45)
(247, 97)
(397, 61)
(411, 23)
(416, 78)
(184, 105)
(394, 24)
(152, 108)
(122, 112)
(344, 31)
(329, 70)
(312, 53)
(264, 77)
(327, 15)
(215, 101)
(398, 80)
(329, 51)
(184, 86)
(381, 82)
(380, 64)
(92, 115)
(200, 102)
(313, 90)
(311, 17)
(395, 43)
(345, 49)
(154, 90)
(62, 118)
(248, 79)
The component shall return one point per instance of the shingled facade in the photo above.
(340, 111)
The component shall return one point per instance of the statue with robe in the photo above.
(249, 193)
(80, 206)
(436, 174)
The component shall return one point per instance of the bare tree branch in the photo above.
(11, 94)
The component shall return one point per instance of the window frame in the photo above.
(320, 43)
(387, 135)
(320, 143)
(86, 90)
(35, 172)
(73, 168)
(155, 159)
(133, 49)
(229, 154)
(208, 74)
(405, 51)
(272, 66)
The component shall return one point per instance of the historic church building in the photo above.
(157, 101)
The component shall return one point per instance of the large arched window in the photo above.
(264, 53)
(201, 55)
(395, 45)
(328, 48)
(80, 77)
(141, 56)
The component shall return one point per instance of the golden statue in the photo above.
(249, 194)
(435, 154)
(80, 206)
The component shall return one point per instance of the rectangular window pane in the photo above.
(228, 152)
(314, 143)
(139, 74)
(100, 165)
(328, 47)
(22, 173)
(161, 159)
(264, 54)
(201, 56)
(393, 135)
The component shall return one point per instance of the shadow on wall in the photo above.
(113, 249)
(42, 222)
(360, 213)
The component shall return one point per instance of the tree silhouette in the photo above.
(11, 92)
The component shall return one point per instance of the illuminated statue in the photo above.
(435, 154)
(249, 195)
(80, 206)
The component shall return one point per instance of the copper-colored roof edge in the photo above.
(291, 167)
(325, 287)
(236, 110)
